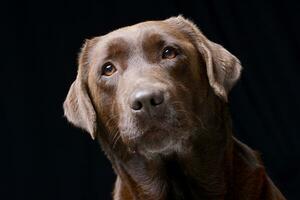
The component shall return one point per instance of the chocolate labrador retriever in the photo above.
(155, 96)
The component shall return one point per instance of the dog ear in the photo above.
(223, 68)
(78, 108)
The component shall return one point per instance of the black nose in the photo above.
(146, 99)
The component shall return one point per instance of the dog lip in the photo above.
(147, 134)
(153, 134)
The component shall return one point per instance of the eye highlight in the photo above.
(169, 53)
(108, 69)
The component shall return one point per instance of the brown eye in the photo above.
(108, 69)
(169, 53)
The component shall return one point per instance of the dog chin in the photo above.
(158, 144)
(159, 149)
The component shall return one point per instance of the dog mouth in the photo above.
(154, 140)
(158, 135)
(153, 134)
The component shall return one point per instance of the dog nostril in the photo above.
(157, 100)
(137, 105)
(146, 100)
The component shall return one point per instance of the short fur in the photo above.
(183, 150)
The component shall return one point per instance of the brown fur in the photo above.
(183, 150)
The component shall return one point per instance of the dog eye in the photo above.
(108, 69)
(169, 53)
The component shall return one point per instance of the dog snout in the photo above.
(147, 100)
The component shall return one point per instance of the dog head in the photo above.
(150, 85)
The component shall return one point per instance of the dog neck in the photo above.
(198, 173)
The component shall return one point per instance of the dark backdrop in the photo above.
(44, 157)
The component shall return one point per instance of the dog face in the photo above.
(149, 85)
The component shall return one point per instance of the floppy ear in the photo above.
(223, 68)
(78, 107)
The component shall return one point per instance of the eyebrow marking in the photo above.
(117, 49)
(152, 44)
(152, 39)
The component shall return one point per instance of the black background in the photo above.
(44, 157)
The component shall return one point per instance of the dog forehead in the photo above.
(136, 44)
(137, 30)
(135, 36)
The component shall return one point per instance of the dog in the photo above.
(155, 96)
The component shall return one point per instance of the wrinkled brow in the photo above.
(152, 41)
(117, 48)
(151, 44)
